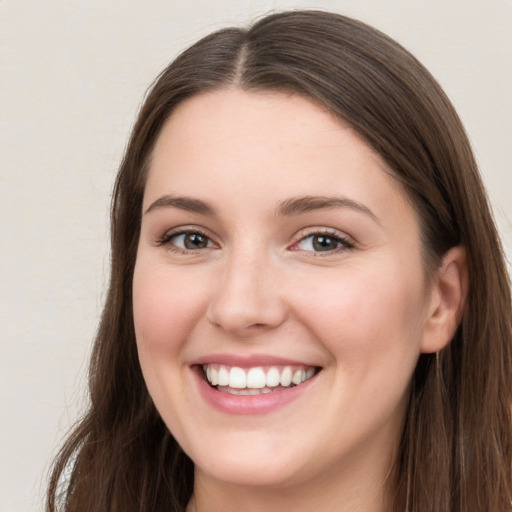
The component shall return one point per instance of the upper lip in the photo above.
(249, 361)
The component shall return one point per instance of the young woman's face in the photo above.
(279, 260)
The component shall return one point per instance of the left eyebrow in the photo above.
(299, 205)
(182, 203)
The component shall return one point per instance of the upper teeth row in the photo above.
(257, 377)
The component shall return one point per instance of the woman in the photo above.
(308, 304)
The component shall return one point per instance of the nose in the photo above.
(247, 298)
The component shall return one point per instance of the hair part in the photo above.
(456, 450)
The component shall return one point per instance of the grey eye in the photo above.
(320, 243)
(191, 241)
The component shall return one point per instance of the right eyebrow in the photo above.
(183, 203)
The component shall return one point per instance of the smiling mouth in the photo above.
(256, 380)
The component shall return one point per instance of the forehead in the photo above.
(232, 113)
(265, 142)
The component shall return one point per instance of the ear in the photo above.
(447, 297)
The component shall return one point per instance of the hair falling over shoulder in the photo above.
(456, 449)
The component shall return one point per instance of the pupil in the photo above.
(195, 241)
(324, 243)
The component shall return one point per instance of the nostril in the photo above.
(244, 300)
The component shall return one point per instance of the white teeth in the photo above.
(244, 391)
(286, 376)
(237, 378)
(256, 380)
(223, 376)
(249, 391)
(298, 377)
(273, 377)
(213, 377)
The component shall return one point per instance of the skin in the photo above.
(362, 311)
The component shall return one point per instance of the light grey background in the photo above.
(72, 76)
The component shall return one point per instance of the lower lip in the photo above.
(249, 404)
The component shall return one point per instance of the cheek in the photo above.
(372, 328)
(364, 316)
(165, 307)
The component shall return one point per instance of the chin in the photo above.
(256, 473)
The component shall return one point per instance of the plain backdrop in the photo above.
(72, 77)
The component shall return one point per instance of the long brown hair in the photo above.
(456, 450)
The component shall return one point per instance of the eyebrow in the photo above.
(287, 208)
(299, 205)
(183, 203)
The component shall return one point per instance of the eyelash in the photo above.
(167, 237)
(344, 242)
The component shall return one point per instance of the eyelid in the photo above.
(165, 239)
(347, 242)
